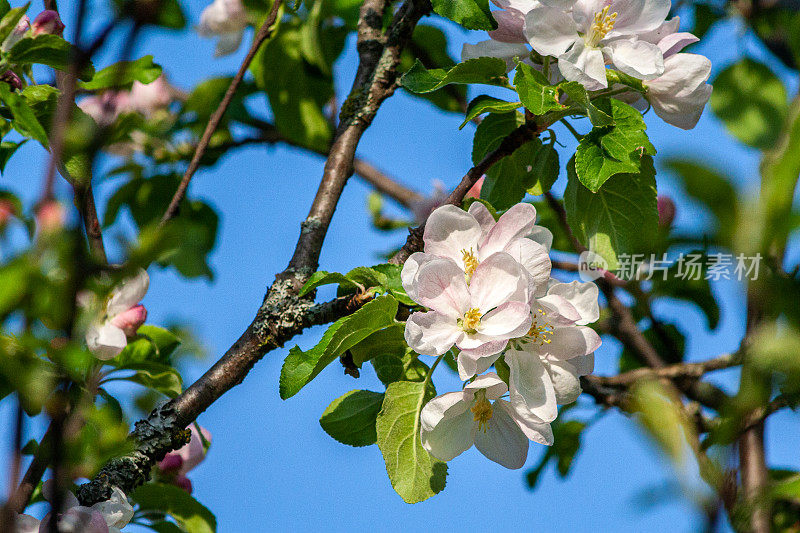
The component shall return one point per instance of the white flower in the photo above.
(595, 30)
(123, 316)
(546, 363)
(479, 318)
(106, 516)
(453, 422)
(679, 95)
(226, 19)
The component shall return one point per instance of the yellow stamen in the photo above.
(470, 262)
(541, 330)
(471, 321)
(602, 24)
(482, 410)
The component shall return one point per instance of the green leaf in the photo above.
(618, 219)
(389, 340)
(415, 474)
(485, 70)
(164, 13)
(487, 104)
(611, 150)
(47, 49)
(750, 100)
(322, 277)
(153, 344)
(536, 93)
(5, 7)
(191, 515)
(580, 97)
(301, 367)
(156, 376)
(350, 419)
(123, 74)
(25, 120)
(472, 14)
(297, 92)
(406, 366)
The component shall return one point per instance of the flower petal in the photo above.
(565, 380)
(674, 43)
(509, 26)
(130, 293)
(550, 31)
(583, 364)
(638, 16)
(117, 510)
(479, 359)
(105, 340)
(636, 58)
(497, 280)
(534, 258)
(228, 43)
(680, 94)
(449, 230)
(558, 311)
(515, 223)
(582, 296)
(541, 235)
(584, 65)
(571, 341)
(440, 286)
(512, 319)
(24, 523)
(447, 427)
(532, 427)
(495, 387)
(410, 269)
(483, 216)
(431, 333)
(530, 385)
(503, 442)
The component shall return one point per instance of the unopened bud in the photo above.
(11, 78)
(170, 462)
(50, 217)
(7, 210)
(130, 320)
(475, 190)
(183, 482)
(48, 22)
(666, 211)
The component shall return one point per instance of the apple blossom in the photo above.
(181, 461)
(475, 190)
(17, 34)
(50, 216)
(680, 94)
(424, 207)
(107, 516)
(478, 318)
(595, 30)
(12, 79)
(226, 19)
(453, 422)
(666, 211)
(48, 22)
(107, 337)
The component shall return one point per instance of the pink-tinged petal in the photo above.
(130, 293)
(583, 364)
(77, 519)
(531, 426)
(564, 5)
(478, 360)
(672, 44)
(680, 94)
(24, 523)
(495, 387)
(523, 6)
(505, 51)
(183, 482)
(441, 287)
(582, 296)
(550, 31)
(449, 230)
(116, 511)
(447, 427)
(503, 442)
(409, 272)
(534, 258)
(431, 333)
(514, 224)
(510, 320)
(497, 280)
(558, 311)
(541, 235)
(228, 43)
(565, 380)
(69, 499)
(105, 340)
(637, 16)
(509, 26)
(171, 462)
(667, 28)
(194, 452)
(530, 385)
(483, 216)
(584, 65)
(129, 321)
(636, 58)
(571, 341)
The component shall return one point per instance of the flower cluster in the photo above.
(146, 99)
(583, 37)
(46, 22)
(489, 293)
(175, 465)
(105, 517)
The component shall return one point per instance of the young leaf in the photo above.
(536, 94)
(25, 120)
(580, 97)
(406, 366)
(415, 474)
(487, 104)
(10, 20)
(156, 376)
(123, 74)
(350, 419)
(190, 514)
(46, 49)
(618, 218)
(301, 367)
(471, 14)
(322, 277)
(485, 70)
(386, 341)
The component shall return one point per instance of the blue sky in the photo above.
(271, 466)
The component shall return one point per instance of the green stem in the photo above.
(613, 92)
(432, 368)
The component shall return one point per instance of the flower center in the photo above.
(602, 24)
(470, 262)
(541, 330)
(471, 321)
(482, 410)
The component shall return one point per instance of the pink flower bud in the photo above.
(130, 320)
(7, 210)
(666, 211)
(48, 22)
(475, 190)
(183, 482)
(170, 462)
(149, 98)
(193, 453)
(50, 216)
(11, 78)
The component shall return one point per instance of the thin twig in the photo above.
(677, 371)
(262, 35)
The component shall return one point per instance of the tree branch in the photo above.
(673, 372)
